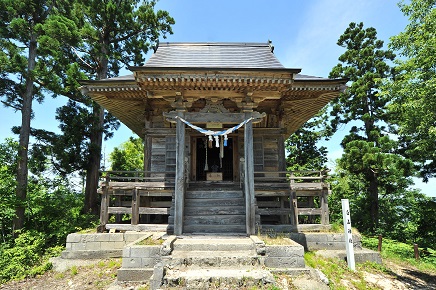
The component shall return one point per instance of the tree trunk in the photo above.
(96, 141)
(26, 113)
(93, 172)
(373, 199)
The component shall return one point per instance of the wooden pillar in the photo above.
(284, 219)
(294, 202)
(147, 167)
(118, 217)
(104, 210)
(250, 202)
(324, 208)
(179, 190)
(135, 206)
(281, 153)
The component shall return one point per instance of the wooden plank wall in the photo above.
(271, 156)
(266, 153)
(158, 154)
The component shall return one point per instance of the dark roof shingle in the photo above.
(214, 55)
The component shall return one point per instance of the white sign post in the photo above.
(348, 235)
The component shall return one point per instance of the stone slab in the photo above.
(360, 256)
(214, 244)
(90, 254)
(134, 275)
(209, 278)
(284, 262)
(284, 251)
(324, 241)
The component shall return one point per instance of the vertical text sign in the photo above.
(348, 235)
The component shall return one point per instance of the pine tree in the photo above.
(368, 150)
(33, 36)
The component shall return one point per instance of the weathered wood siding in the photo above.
(271, 156)
(267, 151)
(158, 154)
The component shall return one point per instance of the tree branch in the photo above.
(17, 108)
(87, 64)
(127, 36)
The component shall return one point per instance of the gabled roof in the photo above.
(214, 55)
(228, 71)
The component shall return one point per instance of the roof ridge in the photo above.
(214, 44)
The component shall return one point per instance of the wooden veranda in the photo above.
(284, 200)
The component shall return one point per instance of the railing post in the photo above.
(104, 210)
(380, 243)
(241, 172)
(135, 206)
(293, 200)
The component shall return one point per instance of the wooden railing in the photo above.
(296, 196)
(135, 193)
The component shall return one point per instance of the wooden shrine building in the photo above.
(202, 172)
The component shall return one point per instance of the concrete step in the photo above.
(217, 278)
(217, 259)
(211, 243)
(360, 255)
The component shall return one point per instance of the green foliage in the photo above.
(129, 156)
(53, 211)
(364, 63)
(8, 163)
(404, 252)
(369, 167)
(302, 148)
(336, 270)
(17, 262)
(402, 211)
(414, 86)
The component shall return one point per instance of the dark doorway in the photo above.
(214, 162)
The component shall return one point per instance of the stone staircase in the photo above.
(213, 207)
(209, 262)
(205, 262)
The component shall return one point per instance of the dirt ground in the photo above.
(101, 274)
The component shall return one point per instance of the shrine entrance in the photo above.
(211, 163)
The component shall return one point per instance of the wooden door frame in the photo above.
(193, 153)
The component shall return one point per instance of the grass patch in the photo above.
(74, 271)
(337, 271)
(149, 241)
(87, 231)
(278, 240)
(402, 253)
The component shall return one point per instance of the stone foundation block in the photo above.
(284, 262)
(134, 275)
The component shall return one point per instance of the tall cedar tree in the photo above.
(363, 63)
(413, 88)
(33, 35)
(114, 33)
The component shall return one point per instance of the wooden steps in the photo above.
(214, 208)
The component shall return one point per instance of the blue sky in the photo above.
(304, 34)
